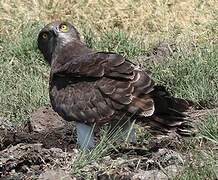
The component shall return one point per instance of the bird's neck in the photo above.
(69, 52)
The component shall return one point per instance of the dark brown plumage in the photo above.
(100, 87)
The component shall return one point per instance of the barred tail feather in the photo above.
(168, 116)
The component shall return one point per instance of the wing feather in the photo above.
(116, 84)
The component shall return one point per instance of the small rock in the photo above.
(44, 119)
(55, 175)
(165, 157)
(157, 54)
(164, 174)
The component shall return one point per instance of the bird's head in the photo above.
(54, 36)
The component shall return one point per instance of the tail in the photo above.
(168, 116)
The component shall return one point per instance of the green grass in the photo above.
(209, 129)
(115, 41)
(192, 75)
(23, 85)
(202, 165)
(201, 152)
(106, 144)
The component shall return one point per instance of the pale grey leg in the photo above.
(125, 129)
(85, 137)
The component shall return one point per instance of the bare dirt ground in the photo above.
(45, 148)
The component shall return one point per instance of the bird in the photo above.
(93, 88)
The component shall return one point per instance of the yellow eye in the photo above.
(63, 28)
(44, 35)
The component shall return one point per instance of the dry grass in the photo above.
(191, 20)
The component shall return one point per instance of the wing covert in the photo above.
(121, 82)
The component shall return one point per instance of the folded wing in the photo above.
(123, 85)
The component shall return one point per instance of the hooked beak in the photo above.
(54, 31)
(52, 43)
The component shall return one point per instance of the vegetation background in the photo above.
(133, 28)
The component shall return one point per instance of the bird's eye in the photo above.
(63, 28)
(45, 36)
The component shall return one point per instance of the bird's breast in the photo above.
(67, 94)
